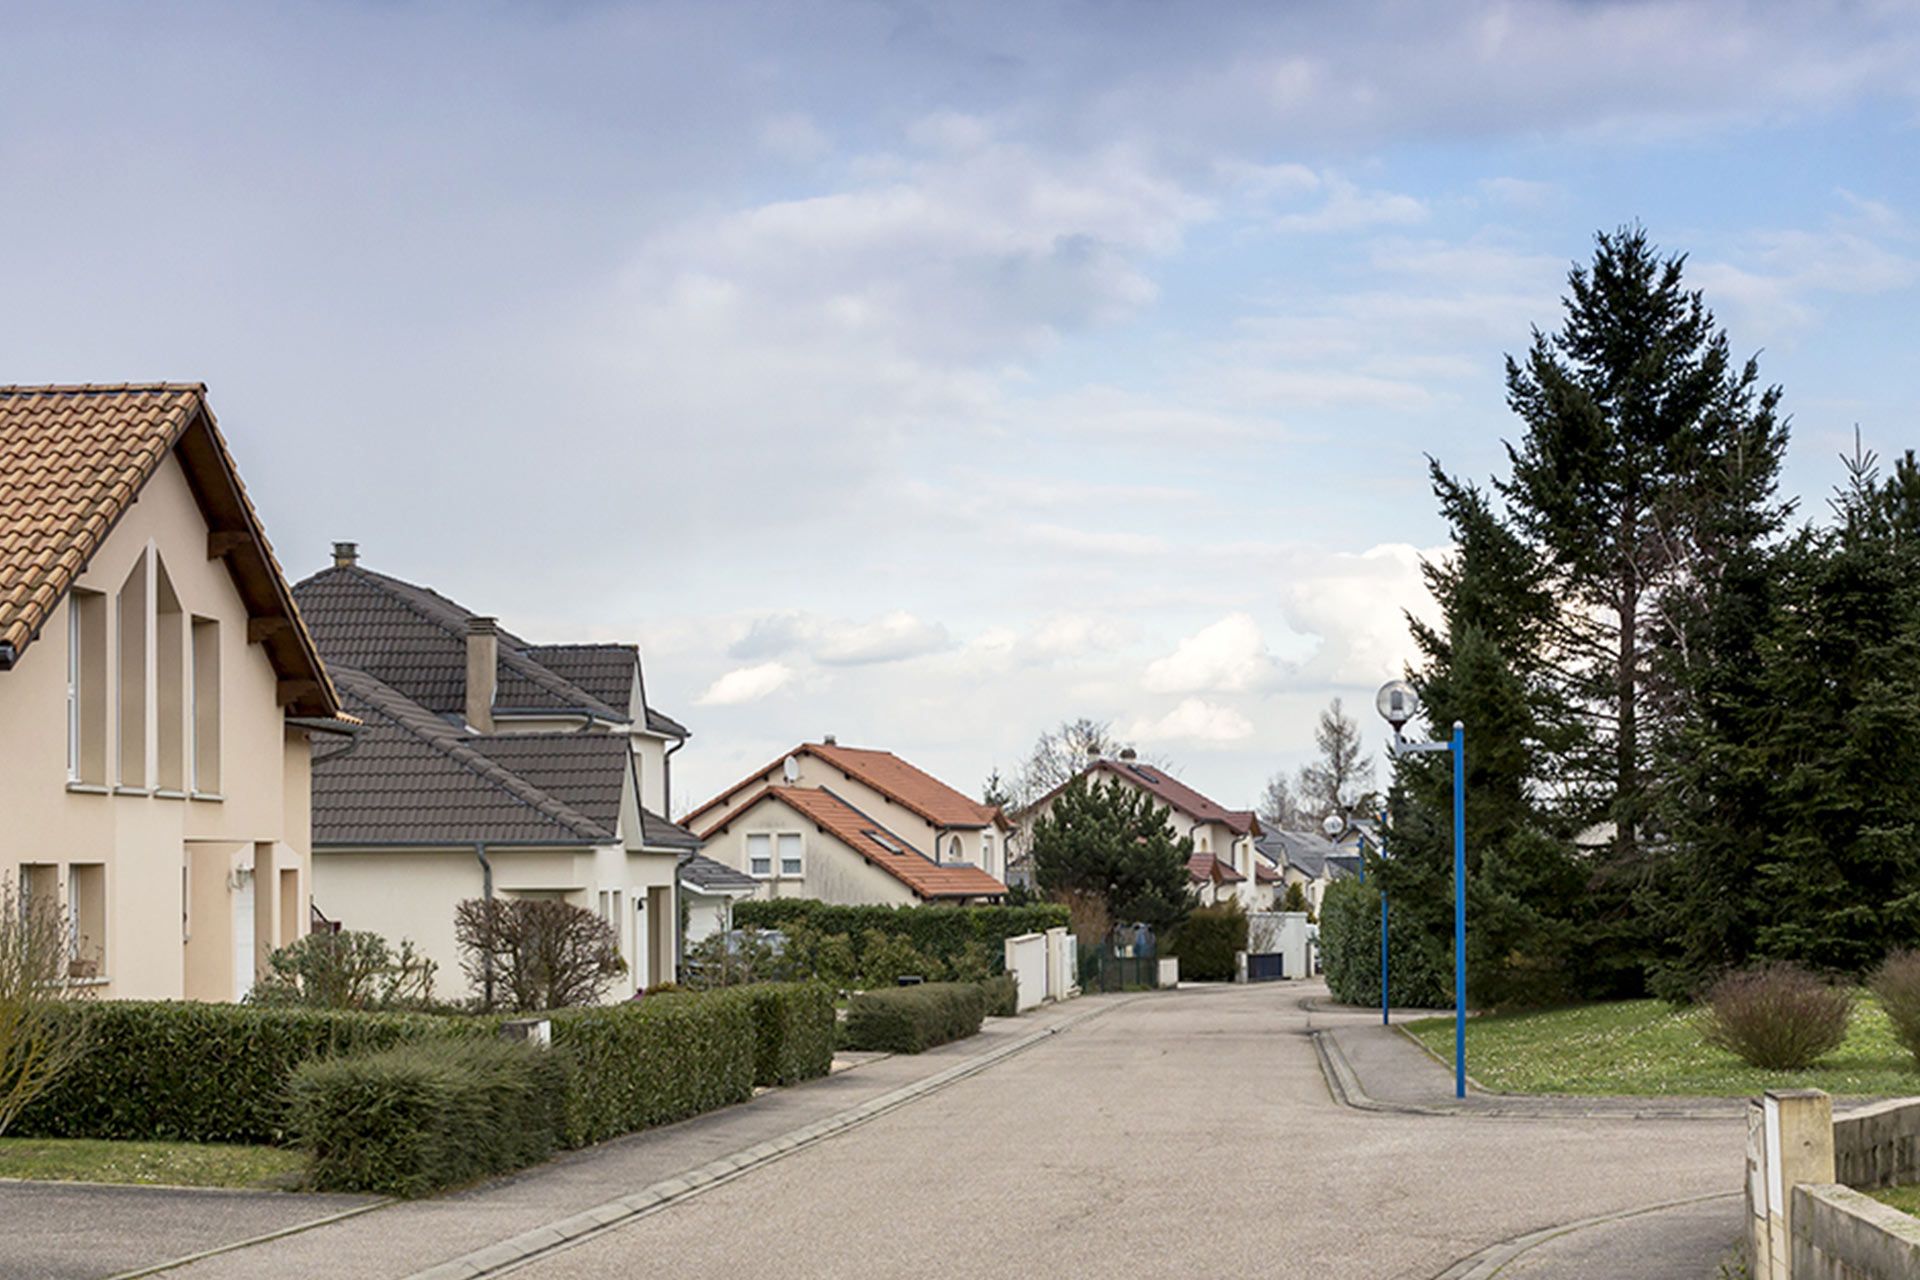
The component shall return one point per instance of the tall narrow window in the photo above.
(760, 855)
(87, 688)
(170, 681)
(73, 692)
(87, 920)
(789, 853)
(292, 910)
(205, 723)
(133, 606)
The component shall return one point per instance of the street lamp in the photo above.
(1397, 702)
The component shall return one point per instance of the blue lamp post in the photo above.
(1396, 702)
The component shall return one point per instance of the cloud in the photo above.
(838, 642)
(747, 684)
(1348, 208)
(1229, 656)
(1194, 720)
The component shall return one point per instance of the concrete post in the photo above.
(1797, 1147)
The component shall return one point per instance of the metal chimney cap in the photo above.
(345, 554)
(477, 625)
(828, 740)
(1128, 753)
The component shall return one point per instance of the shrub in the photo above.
(1207, 941)
(416, 1118)
(1777, 1016)
(533, 954)
(37, 1042)
(351, 969)
(1897, 985)
(731, 958)
(1003, 995)
(190, 1072)
(655, 1061)
(1350, 952)
(793, 1025)
(910, 1019)
(938, 933)
(885, 958)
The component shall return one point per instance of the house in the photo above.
(488, 766)
(1223, 864)
(853, 825)
(160, 696)
(708, 890)
(1308, 859)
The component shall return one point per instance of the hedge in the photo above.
(189, 1072)
(656, 1061)
(793, 1026)
(1207, 941)
(420, 1117)
(1350, 951)
(910, 1019)
(941, 932)
(1003, 995)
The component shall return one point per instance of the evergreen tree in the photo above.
(1341, 780)
(1111, 840)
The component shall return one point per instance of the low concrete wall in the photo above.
(1169, 971)
(1026, 958)
(1878, 1146)
(1840, 1234)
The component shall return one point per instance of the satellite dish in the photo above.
(790, 769)
(1333, 826)
(1397, 702)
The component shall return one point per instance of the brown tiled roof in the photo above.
(74, 458)
(912, 789)
(1174, 792)
(879, 846)
(1204, 866)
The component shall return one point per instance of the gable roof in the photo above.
(711, 876)
(914, 790)
(1170, 790)
(873, 842)
(1306, 850)
(74, 458)
(609, 672)
(1205, 866)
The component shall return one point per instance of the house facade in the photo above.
(488, 766)
(1308, 859)
(160, 694)
(857, 826)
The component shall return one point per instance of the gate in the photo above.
(1266, 967)
(1125, 962)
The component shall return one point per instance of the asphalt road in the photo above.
(1183, 1134)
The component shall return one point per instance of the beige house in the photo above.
(488, 766)
(1224, 862)
(855, 826)
(159, 693)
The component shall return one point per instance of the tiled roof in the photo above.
(879, 846)
(711, 876)
(74, 458)
(1181, 796)
(912, 789)
(415, 639)
(1305, 850)
(1264, 874)
(1203, 867)
(610, 673)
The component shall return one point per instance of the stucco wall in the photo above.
(831, 871)
(141, 838)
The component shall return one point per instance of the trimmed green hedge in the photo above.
(793, 1025)
(1003, 995)
(420, 1117)
(656, 1061)
(910, 1019)
(940, 932)
(1207, 941)
(189, 1072)
(1350, 951)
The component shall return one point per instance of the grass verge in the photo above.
(1906, 1199)
(171, 1164)
(1649, 1048)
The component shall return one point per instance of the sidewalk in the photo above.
(1687, 1240)
(406, 1237)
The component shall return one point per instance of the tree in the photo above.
(997, 791)
(1278, 810)
(1060, 753)
(37, 1044)
(537, 953)
(1295, 898)
(1341, 780)
(1111, 841)
(350, 969)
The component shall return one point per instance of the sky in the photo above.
(927, 374)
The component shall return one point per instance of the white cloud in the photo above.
(838, 641)
(794, 136)
(1230, 656)
(1348, 208)
(1194, 720)
(747, 684)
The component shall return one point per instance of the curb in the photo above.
(525, 1247)
(248, 1243)
(1344, 1084)
(1493, 1259)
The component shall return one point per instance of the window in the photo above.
(132, 607)
(39, 888)
(292, 910)
(86, 920)
(771, 852)
(986, 853)
(169, 684)
(760, 855)
(789, 843)
(87, 688)
(205, 724)
(955, 851)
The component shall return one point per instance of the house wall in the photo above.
(831, 871)
(139, 838)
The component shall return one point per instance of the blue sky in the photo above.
(928, 374)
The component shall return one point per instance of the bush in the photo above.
(191, 1072)
(655, 1061)
(1896, 983)
(414, 1119)
(351, 969)
(533, 954)
(885, 958)
(1207, 941)
(938, 933)
(1003, 995)
(1350, 952)
(1777, 1016)
(910, 1019)
(793, 1026)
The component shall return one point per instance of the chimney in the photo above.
(483, 668)
(829, 741)
(346, 555)
(1129, 755)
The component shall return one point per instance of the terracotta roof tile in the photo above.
(1174, 792)
(879, 846)
(1204, 867)
(913, 789)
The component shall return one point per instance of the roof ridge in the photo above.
(441, 736)
(96, 388)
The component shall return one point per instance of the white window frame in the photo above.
(768, 837)
(73, 688)
(799, 871)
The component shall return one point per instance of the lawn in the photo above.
(1906, 1199)
(1647, 1047)
(173, 1164)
